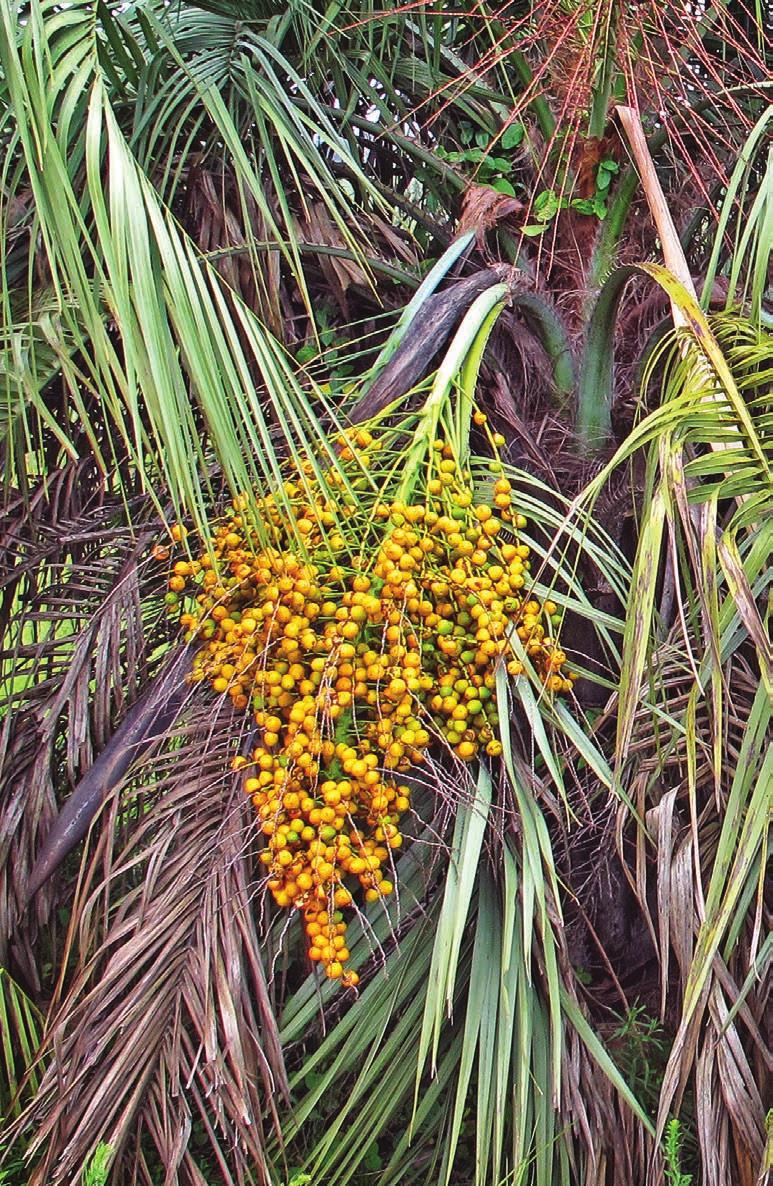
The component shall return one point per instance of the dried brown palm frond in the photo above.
(147, 720)
(682, 797)
(155, 959)
(76, 650)
(164, 1018)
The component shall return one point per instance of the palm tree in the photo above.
(212, 216)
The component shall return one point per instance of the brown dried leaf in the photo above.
(483, 208)
(340, 273)
(166, 1015)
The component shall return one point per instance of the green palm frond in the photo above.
(145, 339)
(22, 1027)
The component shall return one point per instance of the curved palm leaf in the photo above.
(139, 323)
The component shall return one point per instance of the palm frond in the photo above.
(22, 1027)
(167, 999)
(694, 623)
(80, 640)
(142, 323)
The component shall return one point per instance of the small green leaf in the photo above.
(512, 136)
(97, 1168)
(503, 186)
(546, 205)
(372, 1160)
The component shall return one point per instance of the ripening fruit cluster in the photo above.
(353, 658)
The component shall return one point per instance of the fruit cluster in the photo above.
(355, 652)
